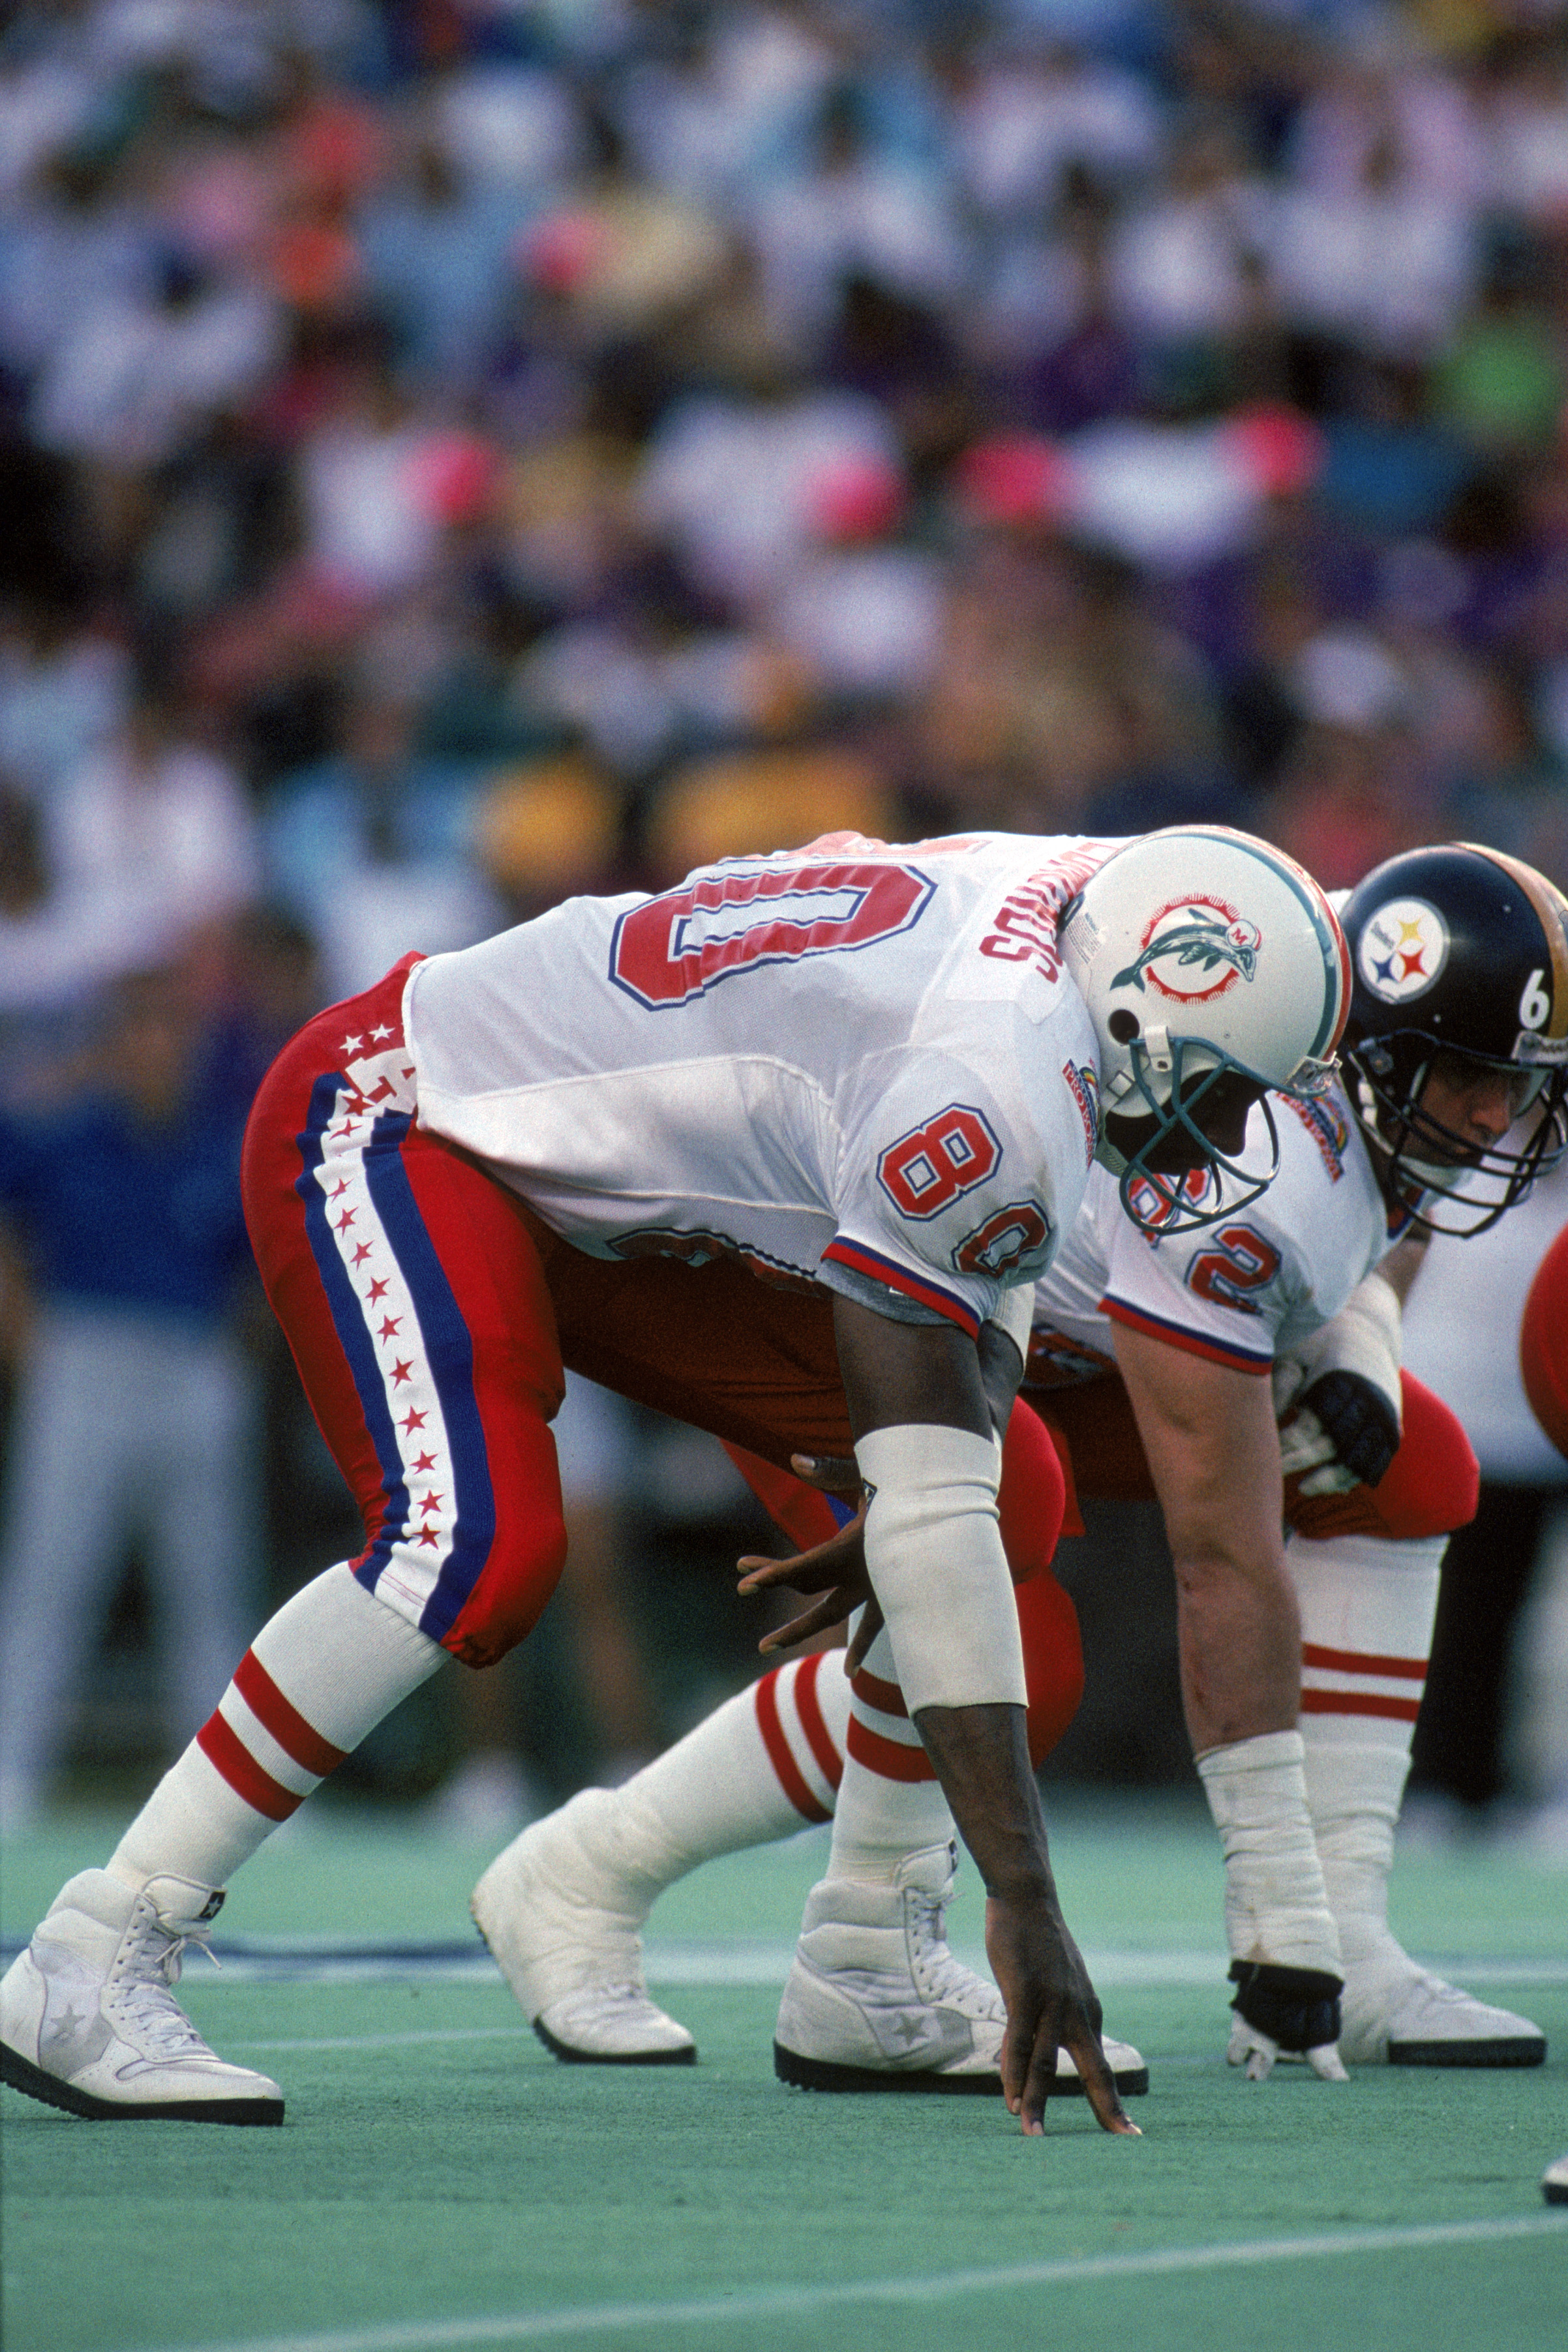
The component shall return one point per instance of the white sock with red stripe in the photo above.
(760, 1766)
(1367, 1610)
(891, 1803)
(318, 1677)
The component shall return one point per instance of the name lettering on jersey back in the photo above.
(1023, 928)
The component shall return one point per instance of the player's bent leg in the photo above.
(876, 1998)
(1368, 1603)
(88, 2017)
(563, 1907)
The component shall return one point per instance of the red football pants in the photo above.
(430, 1314)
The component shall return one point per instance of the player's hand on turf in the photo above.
(1051, 2004)
(835, 1569)
(1285, 2013)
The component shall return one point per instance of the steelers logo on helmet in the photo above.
(1403, 950)
(1193, 950)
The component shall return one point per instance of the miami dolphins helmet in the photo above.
(1214, 970)
(1460, 960)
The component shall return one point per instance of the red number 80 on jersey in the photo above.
(674, 947)
(933, 1164)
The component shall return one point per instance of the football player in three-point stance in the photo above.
(1247, 1375)
(827, 1114)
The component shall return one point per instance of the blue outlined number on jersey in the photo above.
(673, 948)
(1016, 1240)
(937, 1162)
(1243, 1263)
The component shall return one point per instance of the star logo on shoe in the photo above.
(908, 2029)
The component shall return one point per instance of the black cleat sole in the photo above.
(22, 2076)
(822, 2074)
(1523, 2050)
(570, 2057)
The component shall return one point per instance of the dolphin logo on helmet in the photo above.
(1214, 970)
(1203, 938)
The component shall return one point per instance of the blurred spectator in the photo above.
(370, 849)
(149, 835)
(560, 441)
(133, 1415)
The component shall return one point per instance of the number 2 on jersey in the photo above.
(1243, 1262)
(673, 948)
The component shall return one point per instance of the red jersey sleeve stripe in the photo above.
(1181, 1334)
(861, 1260)
(289, 1727)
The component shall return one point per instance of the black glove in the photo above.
(1296, 2008)
(1358, 1421)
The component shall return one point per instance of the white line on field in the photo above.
(739, 1962)
(757, 2304)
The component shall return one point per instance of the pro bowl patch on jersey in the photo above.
(1083, 1084)
(1403, 950)
(1193, 950)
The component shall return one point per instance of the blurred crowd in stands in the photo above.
(458, 452)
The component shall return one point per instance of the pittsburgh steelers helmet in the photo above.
(1214, 970)
(1458, 951)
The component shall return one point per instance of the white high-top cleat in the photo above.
(563, 1916)
(876, 2000)
(88, 2022)
(1397, 2014)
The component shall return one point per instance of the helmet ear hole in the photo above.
(1122, 1026)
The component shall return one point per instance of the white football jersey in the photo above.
(854, 1063)
(1241, 1291)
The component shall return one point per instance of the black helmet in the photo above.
(1458, 950)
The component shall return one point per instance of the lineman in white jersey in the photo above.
(876, 1074)
(1165, 1361)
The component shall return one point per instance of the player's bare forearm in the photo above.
(1213, 1449)
(1239, 1638)
(982, 1760)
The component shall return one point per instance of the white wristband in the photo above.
(1363, 1338)
(933, 1551)
(1276, 1903)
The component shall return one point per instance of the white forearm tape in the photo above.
(1364, 1336)
(1276, 1903)
(933, 1551)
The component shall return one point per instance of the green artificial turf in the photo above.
(441, 2181)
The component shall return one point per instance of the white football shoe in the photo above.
(1554, 2182)
(876, 2000)
(88, 2022)
(1396, 2014)
(564, 1924)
